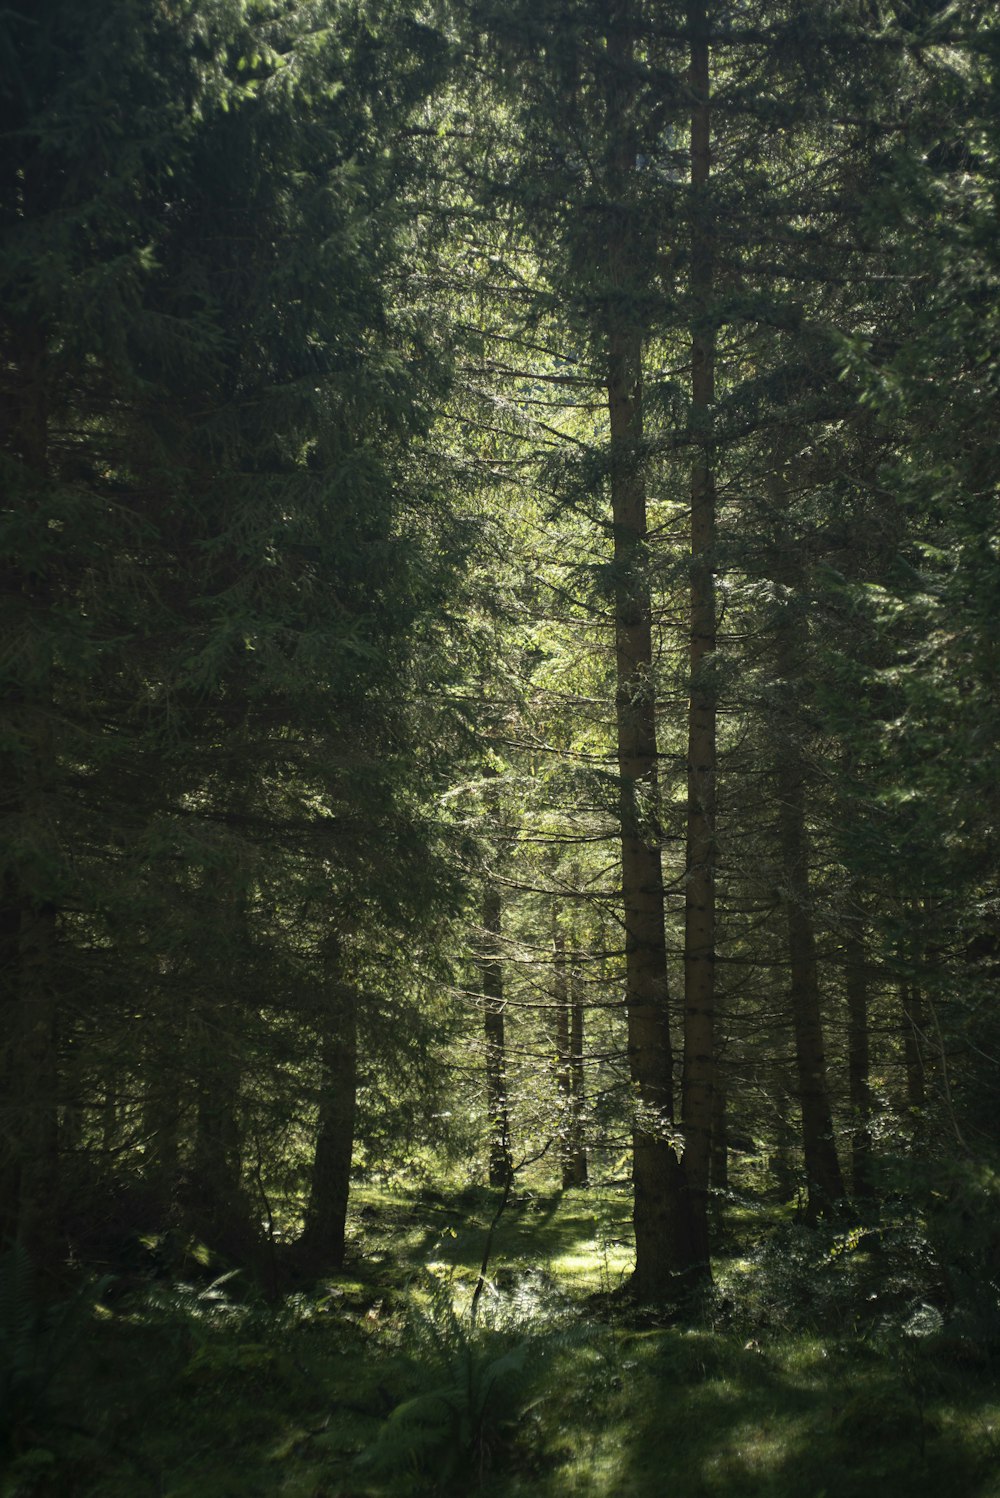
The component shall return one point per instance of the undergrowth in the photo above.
(823, 1361)
(38, 1338)
(469, 1388)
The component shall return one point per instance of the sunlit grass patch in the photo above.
(589, 1268)
(754, 1455)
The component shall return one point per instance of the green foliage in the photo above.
(474, 1384)
(193, 1394)
(230, 542)
(37, 1341)
(867, 1280)
(963, 1213)
(914, 1282)
(279, 305)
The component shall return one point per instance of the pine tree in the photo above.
(217, 421)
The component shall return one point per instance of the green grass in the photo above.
(789, 1386)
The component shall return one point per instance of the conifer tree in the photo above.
(216, 413)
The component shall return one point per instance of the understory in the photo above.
(820, 1362)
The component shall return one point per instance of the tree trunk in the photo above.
(323, 1238)
(496, 1054)
(108, 1111)
(161, 1118)
(662, 1245)
(719, 1173)
(568, 1035)
(824, 1182)
(29, 1174)
(577, 1173)
(10, 931)
(858, 1062)
(699, 928)
(38, 1184)
(560, 1029)
(784, 1163)
(914, 1051)
(216, 1199)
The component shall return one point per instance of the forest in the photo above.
(499, 748)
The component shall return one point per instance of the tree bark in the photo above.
(914, 1051)
(216, 1198)
(858, 1062)
(560, 1029)
(323, 1239)
(824, 1181)
(161, 1118)
(29, 930)
(699, 926)
(719, 1173)
(568, 1035)
(577, 1174)
(496, 1053)
(38, 1183)
(10, 930)
(662, 1240)
(216, 1201)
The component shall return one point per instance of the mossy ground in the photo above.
(189, 1392)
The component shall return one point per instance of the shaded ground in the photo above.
(797, 1382)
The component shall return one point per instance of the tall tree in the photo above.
(241, 545)
(699, 930)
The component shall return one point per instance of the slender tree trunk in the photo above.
(29, 1177)
(221, 1162)
(496, 1053)
(71, 1116)
(784, 1162)
(568, 1035)
(858, 1062)
(216, 1159)
(699, 929)
(217, 1201)
(824, 1179)
(109, 1112)
(37, 1219)
(824, 1182)
(216, 1197)
(662, 1240)
(719, 1174)
(323, 1238)
(914, 1050)
(10, 932)
(161, 1119)
(577, 1174)
(560, 1028)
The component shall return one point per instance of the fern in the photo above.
(474, 1386)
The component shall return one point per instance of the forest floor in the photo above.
(814, 1368)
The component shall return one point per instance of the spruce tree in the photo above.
(224, 543)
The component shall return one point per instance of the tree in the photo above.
(242, 541)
